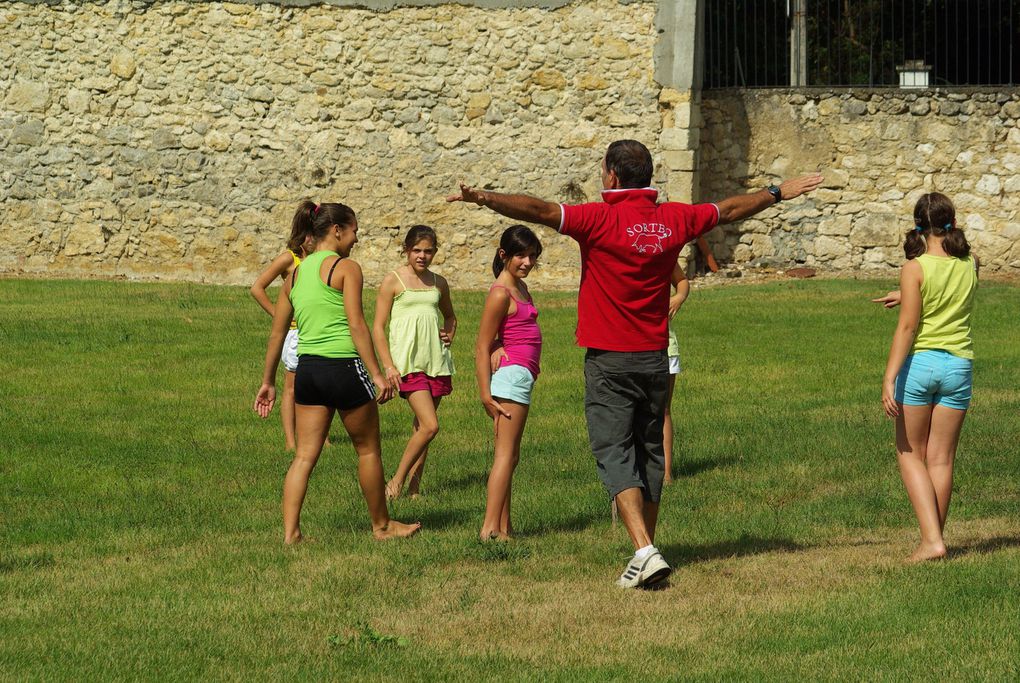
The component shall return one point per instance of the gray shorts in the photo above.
(624, 403)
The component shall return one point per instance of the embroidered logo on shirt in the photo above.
(648, 237)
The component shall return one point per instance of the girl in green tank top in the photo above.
(416, 353)
(927, 382)
(335, 351)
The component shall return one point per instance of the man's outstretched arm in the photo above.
(520, 207)
(741, 206)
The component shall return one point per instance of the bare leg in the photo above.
(912, 427)
(507, 453)
(415, 475)
(632, 508)
(506, 526)
(427, 427)
(312, 423)
(362, 424)
(667, 431)
(943, 438)
(651, 515)
(287, 410)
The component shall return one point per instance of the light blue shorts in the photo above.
(512, 383)
(935, 377)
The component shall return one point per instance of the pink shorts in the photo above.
(419, 381)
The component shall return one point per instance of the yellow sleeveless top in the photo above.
(415, 322)
(297, 262)
(947, 298)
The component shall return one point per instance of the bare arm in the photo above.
(277, 268)
(739, 207)
(890, 300)
(906, 328)
(383, 308)
(449, 330)
(683, 290)
(352, 285)
(520, 207)
(282, 316)
(496, 305)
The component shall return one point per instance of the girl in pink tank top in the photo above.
(507, 354)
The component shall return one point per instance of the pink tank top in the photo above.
(520, 337)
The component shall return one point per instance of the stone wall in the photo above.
(879, 150)
(174, 139)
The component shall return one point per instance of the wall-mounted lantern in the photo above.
(914, 73)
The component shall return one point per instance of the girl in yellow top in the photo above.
(683, 290)
(927, 383)
(416, 355)
(281, 267)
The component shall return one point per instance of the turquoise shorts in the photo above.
(935, 378)
(512, 383)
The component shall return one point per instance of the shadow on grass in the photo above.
(745, 546)
(989, 545)
(690, 468)
(464, 481)
(580, 521)
(9, 563)
(436, 518)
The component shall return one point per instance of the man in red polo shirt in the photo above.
(629, 245)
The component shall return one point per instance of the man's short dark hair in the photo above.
(632, 163)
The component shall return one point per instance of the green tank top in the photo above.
(947, 298)
(319, 312)
(415, 321)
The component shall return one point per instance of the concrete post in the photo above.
(798, 43)
(679, 67)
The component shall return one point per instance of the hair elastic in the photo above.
(947, 226)
(918, 228)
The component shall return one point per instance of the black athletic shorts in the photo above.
(341, 383)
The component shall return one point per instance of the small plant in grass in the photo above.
(498, 551)
(364, 636)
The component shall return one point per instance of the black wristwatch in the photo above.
(776, 193)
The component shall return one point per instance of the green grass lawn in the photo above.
(140, 532)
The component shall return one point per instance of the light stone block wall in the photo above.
(174, 139)
(879, 151)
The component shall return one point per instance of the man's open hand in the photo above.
(468, 194)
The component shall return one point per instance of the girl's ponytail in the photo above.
(956, 243)
(301, 225)
(914, 245)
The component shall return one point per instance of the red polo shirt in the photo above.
(629, 245)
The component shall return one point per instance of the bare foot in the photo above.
(295, 540)
(926, 552)
(416, 496)
(396, 530)
(667, 480)
(485, 537)
(392, 490)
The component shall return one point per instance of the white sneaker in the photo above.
(645, 573)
